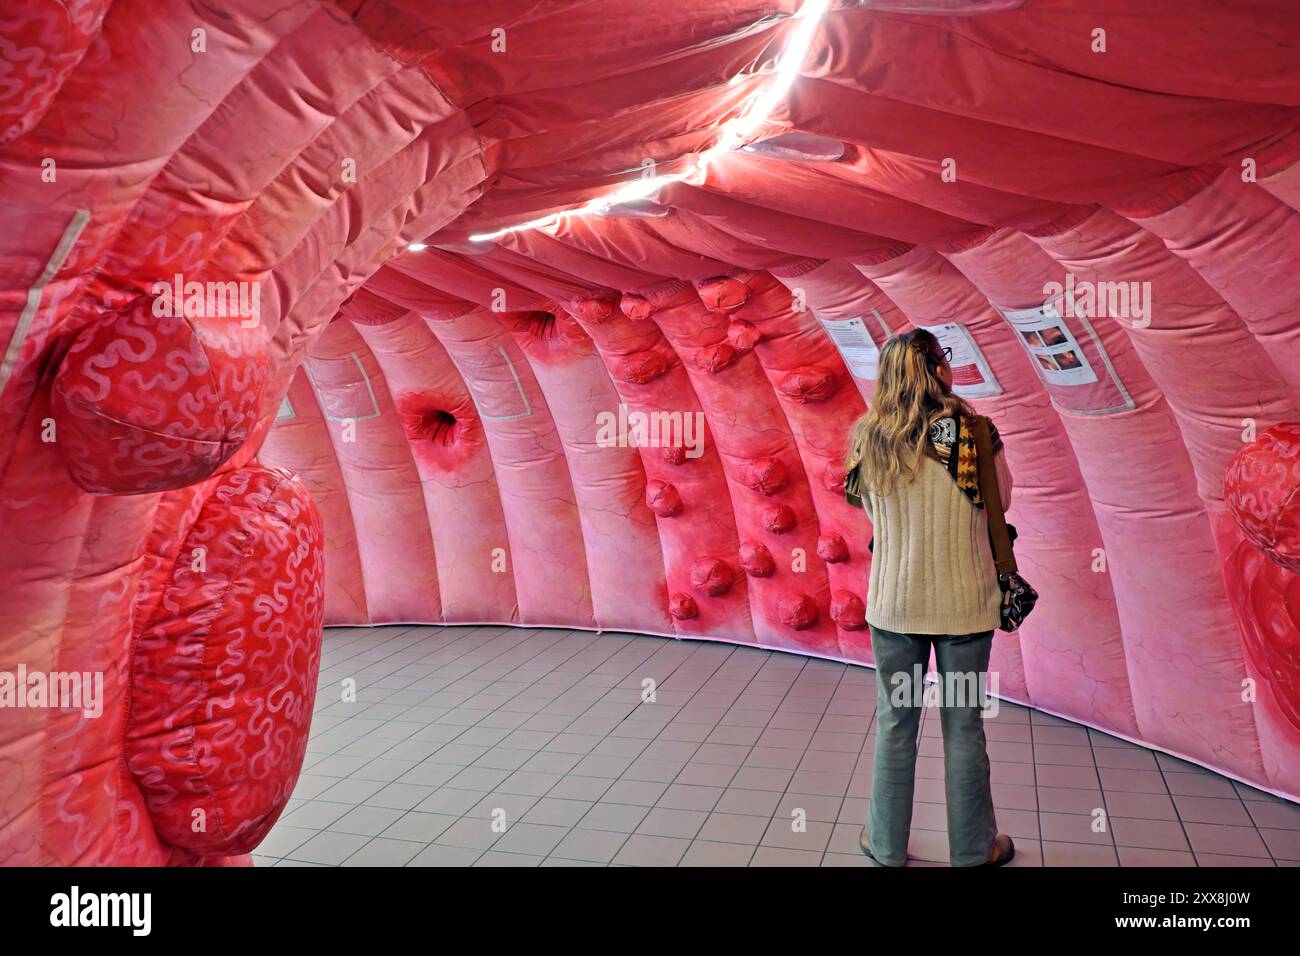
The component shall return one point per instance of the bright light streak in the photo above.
(733, 135)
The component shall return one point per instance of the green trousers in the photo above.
(961, 663)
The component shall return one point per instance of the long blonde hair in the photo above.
(888, 441)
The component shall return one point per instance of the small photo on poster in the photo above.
(1068, 360)
(1051, 343)
(1054, 335)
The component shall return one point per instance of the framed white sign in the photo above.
(855, 345)
(1054, 349)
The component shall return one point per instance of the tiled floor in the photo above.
(498, 746)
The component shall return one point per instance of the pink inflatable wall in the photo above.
(368, 413)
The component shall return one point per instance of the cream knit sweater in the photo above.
(932, 569)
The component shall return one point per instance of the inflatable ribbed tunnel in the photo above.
(558, 314)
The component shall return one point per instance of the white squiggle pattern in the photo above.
(222, 694)
(41, 41)
(151, 403)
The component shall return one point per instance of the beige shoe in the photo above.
(864, 842)
(1004, 851)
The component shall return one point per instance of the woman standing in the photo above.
(933, 584)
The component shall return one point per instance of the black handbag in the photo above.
(1018, 596)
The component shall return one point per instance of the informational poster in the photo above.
(971, 375)
(1053, 347)
(855, 346)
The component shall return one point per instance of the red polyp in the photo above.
(715, 358)
(779, 519)
(662, 498)
(848, 611)
(810, 383)
(636, 307)
(767, 476)
(832, 548)
(723, 294)
(683, 607)
(798, 611)
(712, 576)
(756, 560)
(833, 476)
(743, 334)
(640, 368)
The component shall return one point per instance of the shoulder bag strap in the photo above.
(999, 537)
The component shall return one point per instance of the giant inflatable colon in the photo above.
(365, 412)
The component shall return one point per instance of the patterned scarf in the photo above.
(963, 468)
(957, 434)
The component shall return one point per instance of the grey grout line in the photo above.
(1110, 823)
(1038, 800)
(1178, 814)
(1249, 816)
